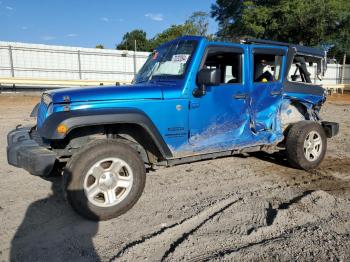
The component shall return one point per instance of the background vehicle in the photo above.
(192, 100)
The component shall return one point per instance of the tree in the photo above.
(228, 13)
(171, 33)
(99, 46)
(196, 24)
(128, 42)
(313, 23)
(200, 22)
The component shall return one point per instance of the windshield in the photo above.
(167, 62)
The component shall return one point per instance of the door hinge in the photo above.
(194, 105)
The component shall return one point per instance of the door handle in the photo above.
(240, 96)
(276, 93)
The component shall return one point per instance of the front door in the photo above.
(219, 120)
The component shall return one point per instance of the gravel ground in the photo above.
(238, 208)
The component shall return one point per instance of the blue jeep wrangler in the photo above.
(192, 100)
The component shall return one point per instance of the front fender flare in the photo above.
(93, 117)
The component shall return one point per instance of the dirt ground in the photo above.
(238, 208)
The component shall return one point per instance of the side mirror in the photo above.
(207, 77)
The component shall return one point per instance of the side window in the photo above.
(228, 61)
(301, 68)
(267, 67)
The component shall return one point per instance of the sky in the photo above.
(87, 23)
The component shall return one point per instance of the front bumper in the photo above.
(24, 150)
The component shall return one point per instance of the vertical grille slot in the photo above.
(42, 111)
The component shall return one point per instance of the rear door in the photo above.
(267, 65)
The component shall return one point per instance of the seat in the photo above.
(235, 74)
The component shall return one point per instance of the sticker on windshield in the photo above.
(180, 58)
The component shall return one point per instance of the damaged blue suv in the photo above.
(192, 100)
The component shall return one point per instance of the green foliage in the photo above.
(171, 33)
(128, 42)
(99, 46)
(312, 23)
(196, 24)
(199, 21)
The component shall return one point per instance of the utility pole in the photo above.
(135, 49)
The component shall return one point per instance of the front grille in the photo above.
(36, 137)
(42, 112)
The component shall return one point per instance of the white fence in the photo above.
(334, 74)
(35, 61)
(47, 62)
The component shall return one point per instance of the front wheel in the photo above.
(306, 145)
(104, 179)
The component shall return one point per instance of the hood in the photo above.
(105, 93)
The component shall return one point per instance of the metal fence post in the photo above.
(336, 74)
(11, 62)
(343, 70)
(135, 49)
(79, 65)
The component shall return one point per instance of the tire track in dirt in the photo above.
(164, 241)
(227, 251)
(273, 230)
(159, 245)
(272, 213)
(270, 217)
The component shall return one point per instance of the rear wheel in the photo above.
(306, 145)
(104, 179)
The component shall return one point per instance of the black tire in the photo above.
(296, 137)
(79, 165)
